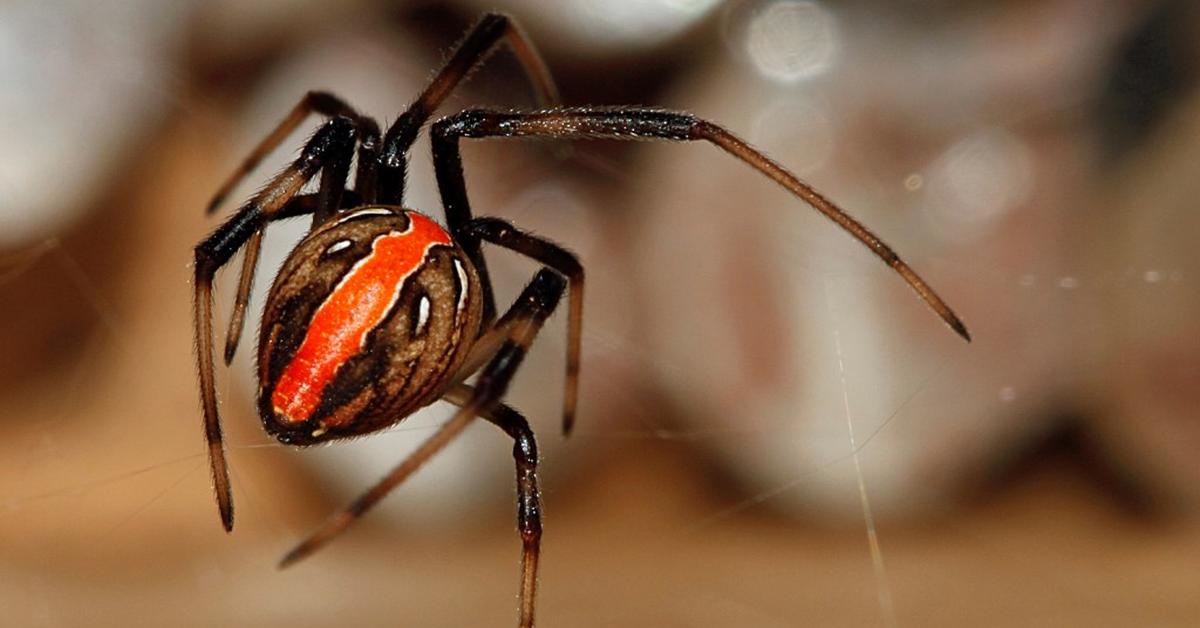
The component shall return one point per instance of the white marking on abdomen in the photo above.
(462, 284)
(340, 245)
(422, 315)
(370, 211)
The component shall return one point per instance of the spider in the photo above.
(380, 311)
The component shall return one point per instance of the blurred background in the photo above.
(773, 431)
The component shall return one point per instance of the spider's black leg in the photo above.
(368, 152)
(327, 105)
(366, 178)
(327, 202)
(322, 103)
(629, 123)
(532, 307)
(237, 318)
(550, 254)
(480, 42)
(306, 205)
(529, 505)
(334, 140)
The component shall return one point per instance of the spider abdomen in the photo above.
(369, 317)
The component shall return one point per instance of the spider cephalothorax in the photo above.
(380, 311)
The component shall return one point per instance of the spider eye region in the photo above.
(351, 283)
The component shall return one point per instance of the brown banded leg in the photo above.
(237, 318)
(535, 303)
(366, 176)
(305, 204)
(529, 505)
(365, 183)
(479, 43)
(631, 123)
(503, 234)
(333, 142)
(322, 103)
(327, 201)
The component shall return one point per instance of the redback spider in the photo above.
(380, 311)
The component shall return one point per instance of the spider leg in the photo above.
(305, 204)
(325, 104)
(319, 102)
(365, 183)
(529, 505)
(631, 123)
(326, 203)
(503, 234)
(237, 318)
(332, 142)
(535, 303)
(475, 48)
(366, 178)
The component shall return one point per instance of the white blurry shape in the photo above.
(637, 21)
(818, 421)
(734, 273)
(791, 41)
(978, 180)
(1012, 63)
(739, 318)
(609, 26)
(79, 81)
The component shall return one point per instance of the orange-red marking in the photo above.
(358, 304)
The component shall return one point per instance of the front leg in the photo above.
(637, 123)
(531, 309)
(503, 234)
(529, 500)
(480, 42)
(326, 104)
(323, 103)
(333, 142)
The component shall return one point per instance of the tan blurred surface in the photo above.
(110, 519)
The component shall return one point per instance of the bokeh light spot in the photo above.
(791, 41)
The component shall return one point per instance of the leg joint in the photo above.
(466, 123)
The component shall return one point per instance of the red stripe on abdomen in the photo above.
(358, 304)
